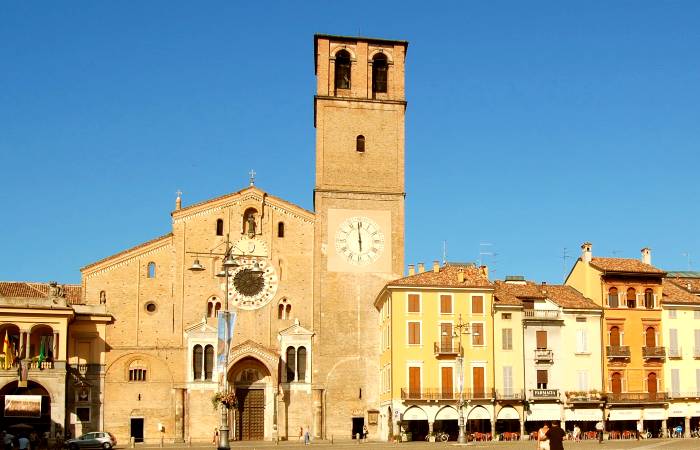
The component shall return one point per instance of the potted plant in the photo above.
(228, 399)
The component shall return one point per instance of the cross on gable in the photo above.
(252, 177)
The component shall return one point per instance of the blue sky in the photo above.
(531, 126)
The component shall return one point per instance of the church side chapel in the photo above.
(304, 353)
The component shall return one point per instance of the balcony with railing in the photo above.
(681, 395)
(637, 397)
(435, 394)
(34, 366)
(510, 394)
(446, 349)
(618, 351)
(654, 352)
(544, 394)
(542, 314)
(544, 355)
(574, 397)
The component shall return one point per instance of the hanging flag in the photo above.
(6, 351)
(23, 372)
(42, 351)
(226, 322)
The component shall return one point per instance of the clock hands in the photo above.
(359, 235)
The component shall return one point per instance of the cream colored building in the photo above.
(421, 378)
(681, 318)
(305, 353)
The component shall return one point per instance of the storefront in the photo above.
(508, 421)
(478, 420)
(623, 421)
(414, 424)
(539, 413)
(585, 418)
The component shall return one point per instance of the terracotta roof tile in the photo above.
(447, 277)
(687, 283)
(628, 265)
(562, 295)
(21, 289)
(677, 293)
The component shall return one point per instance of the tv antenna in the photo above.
(564, 256)
(690, 261)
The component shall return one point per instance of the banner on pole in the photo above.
(226, 323)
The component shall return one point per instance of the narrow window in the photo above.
(649, 299)
(280, 311)
(446, 337)
(477, 333)
(541, 338)
(290, 364)
(445, 304)
(360, 144)
(379, 73)
(219, 227)
(280, 229)
(613, 299)
(414, 333)
(210, 309)
(650, 337)
(301, 364)
(542, 379)
(652, 386)
(616, 383)
(342, 70)
(507, 338)
(414, 382)
(208, 362)
(615, 337)
(631, 298)
(197, 362)
(151, 269)
(137, 371)
(413, 303)
(477, 304)
(288, 311)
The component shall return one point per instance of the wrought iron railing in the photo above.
(439, 394)
(446, 349)
(618, 351)
(544, 355)
(630, 397)
(654, 352)
(510, 395)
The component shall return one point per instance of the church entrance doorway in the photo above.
(358, 424)
(137, 429)
(250, 416)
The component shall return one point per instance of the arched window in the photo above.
(197, 361)
(379, 73)
(137, 370)
(151, 269)
(650, 337)
(280, 311)
(103, 297)
(652, 385)
(616, 383)
(360, 144)
(301, 364)
(290, 363)
(614, 337)
(219, 227)
(284, 309)
(342, 70)
(213, 306)
(280, 229)
(649, 299)
(208, 362)
(210, 309)
(288, 311)
(631, 298)
(250, 217)
(613, 298)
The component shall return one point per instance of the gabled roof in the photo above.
(689, 281)
(127, 251)
(624, 265)
(675, 293)
(562, 295)
(447, 277)
(22, 289)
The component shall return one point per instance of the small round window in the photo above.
(151, 307)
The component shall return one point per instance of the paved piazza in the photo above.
(607, 445)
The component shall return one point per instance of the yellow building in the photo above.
(630, 293)
(422, 345)
(681, 318)
(54, 355)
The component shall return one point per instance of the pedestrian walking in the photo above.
(555, 436)
(599, 429)
(638, 431)
(542, 439)
(215, 438)
(307, 438)
(577, 433)
(365, 432)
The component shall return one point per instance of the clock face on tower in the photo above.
(252, 284)
(359, 240)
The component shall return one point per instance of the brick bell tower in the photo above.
(359, 196)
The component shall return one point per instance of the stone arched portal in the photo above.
(33, 410)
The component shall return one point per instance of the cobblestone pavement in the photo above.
(661, 444)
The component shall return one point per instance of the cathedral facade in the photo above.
(305, 348)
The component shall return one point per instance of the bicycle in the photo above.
(439, 436)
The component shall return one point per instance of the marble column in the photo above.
(522, 430)
(664, 427)
(686, 428)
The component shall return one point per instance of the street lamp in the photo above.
(461, 328)
(229, 262)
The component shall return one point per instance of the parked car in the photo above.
(95, 439)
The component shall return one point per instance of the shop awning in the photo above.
(625, 414)
(583, 414)
(447, 413)
(479, 413)
(654, 414)
(677, 410)
(508, 413)
(415, 413)
(543, 411)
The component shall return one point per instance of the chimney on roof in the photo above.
(178, 201)
(586, 254)
(460, 276)
(436, 266)
(646, 255)
(484, 271)
(421, 267)
(411, 270)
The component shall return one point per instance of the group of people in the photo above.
(23, 441)
(551, 438)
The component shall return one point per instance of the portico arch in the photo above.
(40, 418)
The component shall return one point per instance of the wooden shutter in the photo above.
(414, 382)
(446, 304)
(650, 337)
(413, 303)
(446, 336)
(673, 344)
(675, 381)
(542, 377)
(507, 338)
(447, 389)
(477, 333)
(541, 336)
(478, 381)
(614, 337)
(508, 380)
(477, 304)
(651, 383)
(414, 333)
